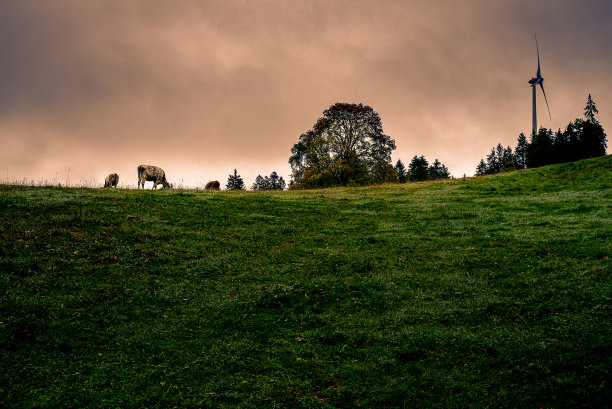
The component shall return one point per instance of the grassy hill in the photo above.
(481, 292)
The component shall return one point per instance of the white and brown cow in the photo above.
(111, 180)
(148, 173)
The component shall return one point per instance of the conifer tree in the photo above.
(418, 168)
(481, 169)
(260, 183)
(276, 182)
(507, 160)
(540, 150)
(520, 153)
(491, 162)
(590, 110)
(234, 182)
(402, 176)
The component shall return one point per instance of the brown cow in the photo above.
(148, 173)
(214, 185)
(111, 180)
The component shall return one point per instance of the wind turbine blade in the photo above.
(538, 50)
(545, 99)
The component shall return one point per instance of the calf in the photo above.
(214, 185)
(148, 173)
(111, 180)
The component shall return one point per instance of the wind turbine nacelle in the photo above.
(534, 81)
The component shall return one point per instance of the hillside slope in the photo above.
(484, 292)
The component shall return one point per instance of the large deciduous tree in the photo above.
(345, 146)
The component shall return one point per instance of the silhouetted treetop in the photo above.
(590, 110)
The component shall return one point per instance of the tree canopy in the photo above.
(346, 146)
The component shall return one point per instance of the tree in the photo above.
(276, 182)
(234, 182)
(520, 153)
(592, 138)
(507, 160)
(260, 183)
(540, 150)
(590, 110)
(402, 176)
(481, 169)
(418, 168)
(272, 182)
(438, 171)
(492, 162)
(345, 146)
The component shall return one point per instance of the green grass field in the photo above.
(491, 292)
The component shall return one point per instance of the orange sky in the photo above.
(203, 87)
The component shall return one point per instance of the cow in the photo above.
(111, 180)
(214, 185)
(148, 173)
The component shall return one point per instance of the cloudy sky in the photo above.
(203, 87)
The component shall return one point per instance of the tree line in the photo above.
(581, 139)
(272, 182)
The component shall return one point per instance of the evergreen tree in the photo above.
(276, 182)
(540, 150)
(592, 138)
(492, 165)
(507, 160)
(444, 172)
(418, 168)
(260, 183)
(561, 147)
(520, 153)
(437, 170)
(402, 176)
(234, 182)
(481, 169)
(272, 182)
(590, 110)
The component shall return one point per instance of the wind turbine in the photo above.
(535, 81)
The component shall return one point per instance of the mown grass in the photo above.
(487, 292)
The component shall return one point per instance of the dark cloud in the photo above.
(203, 87)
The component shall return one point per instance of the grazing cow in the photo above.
(148, 173)
(214, 185)
(111, 180)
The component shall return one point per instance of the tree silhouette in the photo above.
(402, 176)
(493, 162)
(438, 171)
(260, 183)
(345, 146)
(540, 150)
(520, 152)
(418, 168)
(481, 169)
(234, 182)
(590, 110)
(272, 182)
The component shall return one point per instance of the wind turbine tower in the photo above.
(535, 81)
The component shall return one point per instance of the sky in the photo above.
(203, 87)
